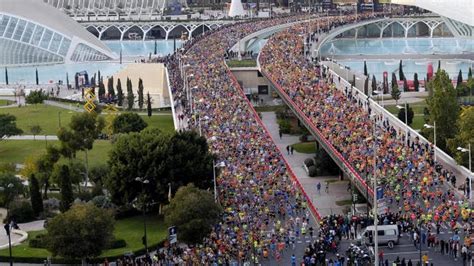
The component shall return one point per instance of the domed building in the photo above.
(33, 33)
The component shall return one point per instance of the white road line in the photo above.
(403, 253)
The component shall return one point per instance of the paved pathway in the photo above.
(27, 227)
(324, 202)
(31, 137)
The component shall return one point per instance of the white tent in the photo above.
(236, 8)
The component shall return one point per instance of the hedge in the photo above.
(56, 260)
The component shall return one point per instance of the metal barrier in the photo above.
(356, 179)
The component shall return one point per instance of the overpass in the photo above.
(151, 29)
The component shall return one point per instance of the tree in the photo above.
(469, 74)
(148, 104)
(416, 83)
(464, 136)
(119, 93)
(8, 126)
(459, 82)
(12, 187)
(83, 231)
(6, 75)
(67, 197)
(45, 165)
(101, 90)
(35, 130)
(401, 75)
(385, 84)
(136, 154)
(439, 65)
(443, 107)
(405, 85)
(189, 160)
(130, 96)
(410, 114)
(35, 196)
(161, 158)
(110, 87)
(83, 130)
(394, 80)
(140, 93)
(366, 86)
(396, 93)
(37, 78)
(366, 73)
(128, 122)
(37, 96)
(193, 212)
(374, 84)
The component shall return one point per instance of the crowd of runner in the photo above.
(414, 187)
(264, 209)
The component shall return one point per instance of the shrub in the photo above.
(118, 243)
(312, 171)
(285, 126)
(21, 212)
(38, 242)
(309, 162)
(102, 202)
(36, 97)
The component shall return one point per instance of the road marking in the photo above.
(403, 253)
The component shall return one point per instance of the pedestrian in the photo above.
(409, 263)
(288, 149)
(425, 259)
(381, 257)
(280, 134)
(318, 187)
(327, 187)
(291, 150)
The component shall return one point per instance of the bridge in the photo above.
(122, 30)
(397, 27)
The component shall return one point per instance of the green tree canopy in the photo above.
(83, 231)
(128, 122)
(161, 158)
(396, 93)
(83, 130)
(464, 136)
(443, 108)
(119, 93)
(410, 115)
(10, 187)
(35, 196)
(193, 212)
(67, 197)
(138, 155)
(8, 126)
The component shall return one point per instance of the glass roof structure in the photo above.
(33, 33)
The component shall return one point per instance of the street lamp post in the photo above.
(214, 166)
(406, 120)
(461, 149)
(8, 228)
(144, 181)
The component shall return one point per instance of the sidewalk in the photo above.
(324, 202)
(31, 137)
(25, 227)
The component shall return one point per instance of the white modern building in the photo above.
(32, 33)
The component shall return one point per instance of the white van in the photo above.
(387, 234)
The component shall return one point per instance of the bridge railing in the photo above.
(344, 165)
(259, 121)
(441, 157)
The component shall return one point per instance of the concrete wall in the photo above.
(249, 79)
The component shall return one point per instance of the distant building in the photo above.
(33, 33)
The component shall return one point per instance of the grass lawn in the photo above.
(163, 122)
(129, 229)
(305, 147)
(16, 151)
(39, 114)
(418, 108)
(5, 102)
(343, 202)
(242, 63)
(48, 118)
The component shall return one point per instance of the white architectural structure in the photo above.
(123, 9)
(236, 9)
(32, 32)
(459, 14)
